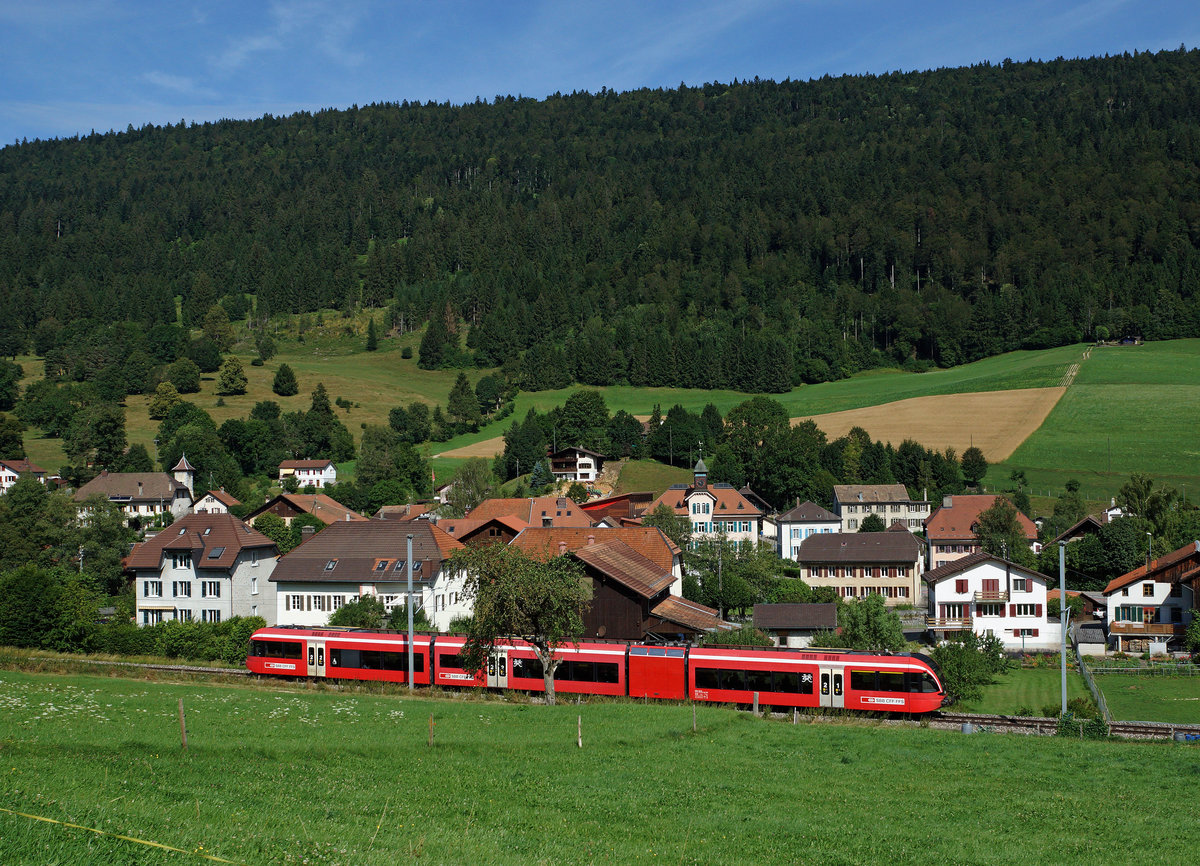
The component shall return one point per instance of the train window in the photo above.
(445, 660)
(891, 682)
(733, 680)
(530, 669)
(758, 681)
(584, 672)
(706, 678)
(926, 684)
(608, 672)
(793, 682)
(863, 681)
(272, 649)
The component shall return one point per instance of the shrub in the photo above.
(406, 352)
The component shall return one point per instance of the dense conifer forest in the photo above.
(752, 235)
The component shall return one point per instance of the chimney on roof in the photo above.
(591, 539)
(562, 548)
(307, 531)
(139, 488)
(860, 497)
(347, 516)
(797, 501)
(947, 501)
(103, 471)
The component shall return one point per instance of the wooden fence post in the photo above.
(182, 725)
(579, 731)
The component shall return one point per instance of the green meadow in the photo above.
(1139, 698)
(311, 775)
(1027, 688)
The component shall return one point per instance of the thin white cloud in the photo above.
(177, 83)
(298, 25)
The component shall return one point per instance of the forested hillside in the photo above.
(751, 235)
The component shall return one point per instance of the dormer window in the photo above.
(331, 565)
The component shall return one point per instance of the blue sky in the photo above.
(71, 66)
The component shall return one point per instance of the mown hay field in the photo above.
(295, 775)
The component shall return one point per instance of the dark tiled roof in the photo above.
(689, 614)
(358, 547)
(859, 547)
(305, 464)
(135, 486)
(618, 560)
(1162, 563)
(325, 508)
(203, 534)
(545, 542)
(462, 527)
(808, 512)
(970, 561)
(795, 616)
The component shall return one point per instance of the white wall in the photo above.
(1030, 604)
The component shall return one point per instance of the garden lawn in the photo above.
(1137, 698)
(1027, 688)
(323, 776)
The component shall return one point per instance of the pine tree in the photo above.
(463, 406)
(433, 344)
(372, 337)
(285, 384)
(233, 377)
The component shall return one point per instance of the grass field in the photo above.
(1027, 688)
(1135, 698)
(314, 776)
(641, 475)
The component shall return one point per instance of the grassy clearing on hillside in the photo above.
(642, 475)
(1125, 413)
(1026, 688)
(318, 776)
(1135, 698)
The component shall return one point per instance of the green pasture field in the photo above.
(1129, 410)
(294, 775)
(642, 475)
(1026, 688)
(1136, 698)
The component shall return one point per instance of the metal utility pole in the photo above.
(409, 604)
(1062, 616)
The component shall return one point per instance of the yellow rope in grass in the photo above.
(212, 857)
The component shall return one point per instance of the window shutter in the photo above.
(1012, 610)
(1038, 612)
(1035, 632)
(960, 585)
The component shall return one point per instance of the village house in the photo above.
(989, 595)
(857, 564)
(144, 496)
(501, 529)
(793, 625)
(289, 506)
(315, 473)
(215, 502)
(950, 530)
(206, 568)
(351, 559)
(717, 511)
(576, 464)
(633, 573)
(11, 470)
(1150, 607)
(534, 511)
(797, 524)
(853, 502)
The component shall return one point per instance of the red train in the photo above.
(902, 682)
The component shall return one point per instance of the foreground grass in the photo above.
(1135, 698)
(1027, 688)
(274, 776)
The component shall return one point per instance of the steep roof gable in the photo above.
(214, 539)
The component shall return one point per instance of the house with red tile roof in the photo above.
(203, 567)
(350, 559)
(1152, 604)
(289, 506)
(715, 510)
(633, 573)
(501, 529)
(11, 470)
(950, 530)
(318, 473)
(215, 502)
(534, 511)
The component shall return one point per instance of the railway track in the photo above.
(184, 669)
(1049, 726)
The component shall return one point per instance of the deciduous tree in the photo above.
(515, 596)
(233, 377)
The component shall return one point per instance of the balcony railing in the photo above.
(1143, 629)
(992, 595)
(961, 623)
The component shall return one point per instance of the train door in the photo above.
(497, 670)
(316, 658)
(833, 689)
